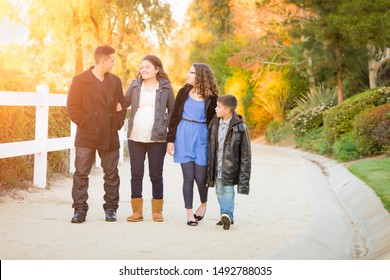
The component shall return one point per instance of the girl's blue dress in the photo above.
(191, 137)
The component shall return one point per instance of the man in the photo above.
(96, 105)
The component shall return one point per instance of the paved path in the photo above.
(292, 212)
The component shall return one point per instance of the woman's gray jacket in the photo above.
(165, 101)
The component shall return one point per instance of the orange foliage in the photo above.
(261, 32)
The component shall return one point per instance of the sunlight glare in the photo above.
(11, 33)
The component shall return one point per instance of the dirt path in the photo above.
(289, 204)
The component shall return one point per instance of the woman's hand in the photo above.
(171, 149)
(118, 107)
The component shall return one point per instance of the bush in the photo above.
(259, 120)
(382, 134)
(315, 141)
(318, 96)
(18, 124)
(277, 130)
(308, 114)
(345, 149)
(364, 126)
(309, 120)
(339, 120)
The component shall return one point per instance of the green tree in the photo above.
(323, 36)
(367, 25)
(336, 33)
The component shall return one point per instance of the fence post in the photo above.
(121, 141)
(72, 151)
(41, 134)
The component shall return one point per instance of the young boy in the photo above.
(229, 157)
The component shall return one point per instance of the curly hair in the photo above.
(158, 65)
(205, 82)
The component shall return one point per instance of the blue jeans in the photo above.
(225, 196)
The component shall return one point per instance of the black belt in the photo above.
(193, 121)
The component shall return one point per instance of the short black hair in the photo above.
(229, 101)
(102, 52)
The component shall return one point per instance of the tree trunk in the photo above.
(374, 64)
(79, 66)
(340, 97)
(309, 72)
(77, 39)
(339, 85)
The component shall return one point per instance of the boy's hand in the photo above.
(118, 107)
(171, 149)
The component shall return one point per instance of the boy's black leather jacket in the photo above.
(236, 162)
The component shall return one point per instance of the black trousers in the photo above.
(156, 154)
(85, 158)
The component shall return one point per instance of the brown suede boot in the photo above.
(136, 204)
(157, 207)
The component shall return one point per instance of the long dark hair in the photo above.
(205, 82)
(158, 65)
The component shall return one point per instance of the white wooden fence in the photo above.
(42, 99)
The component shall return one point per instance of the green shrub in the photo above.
(339, 120)
(278, 130)
(382, 134)
(363, 130)
(315, 141)
(315, 98)
(308, 113)
(269, 133)
(309, 120)
(345, 149)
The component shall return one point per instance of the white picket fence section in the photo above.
(42, 100)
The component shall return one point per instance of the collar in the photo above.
(221, 122)
(143, 87)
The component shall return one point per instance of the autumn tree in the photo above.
(244, 43)
(73, 28)
(210, 21)
(263, 39)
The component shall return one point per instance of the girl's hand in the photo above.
(171, 149)
(118, 107)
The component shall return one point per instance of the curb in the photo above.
(368, 216)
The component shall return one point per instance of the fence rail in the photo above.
(42, 100)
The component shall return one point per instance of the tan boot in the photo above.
(157, 207)
(136, 204)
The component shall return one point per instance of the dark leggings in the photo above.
(193, 172)
(156, 153)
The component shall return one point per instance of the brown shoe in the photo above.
(137, 205)
(157, 207)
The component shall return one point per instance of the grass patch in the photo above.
(375, 173)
